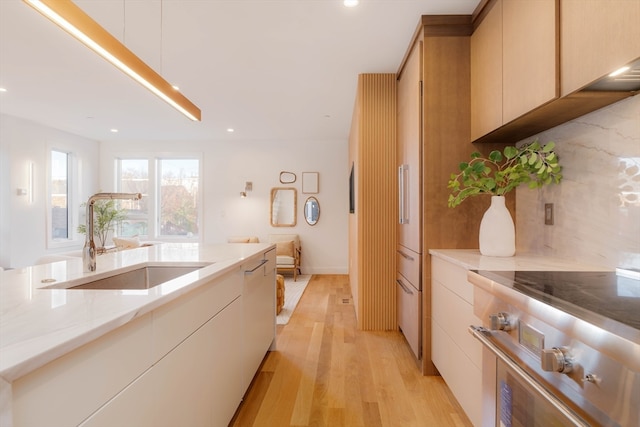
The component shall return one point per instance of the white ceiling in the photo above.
(270, 69)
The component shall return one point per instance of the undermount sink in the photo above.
(142, 277)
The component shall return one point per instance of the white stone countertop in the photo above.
(471, 259)
(38, 325)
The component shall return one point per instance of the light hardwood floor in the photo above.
(325, 372)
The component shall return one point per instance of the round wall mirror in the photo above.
(311, 211)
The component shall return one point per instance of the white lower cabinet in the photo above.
(186, 363)
(456, 354)
(67, 390)
(196, 384)
(259, 308)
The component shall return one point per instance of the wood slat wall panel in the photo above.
(375, 207)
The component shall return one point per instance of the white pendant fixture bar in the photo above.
(76, 22)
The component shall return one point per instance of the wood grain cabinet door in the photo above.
(486, 73)
(409, 150)
(529, 56)
(598, 37)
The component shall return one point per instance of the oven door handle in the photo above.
(483, 334)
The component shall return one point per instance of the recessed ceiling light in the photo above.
(114, 130)
(350, 3)
(230, 130)
(2, 89)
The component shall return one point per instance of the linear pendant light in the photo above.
(76, 22)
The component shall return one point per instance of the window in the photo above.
(134, 178)
(179, 179)
(60, 223)
(170, 206)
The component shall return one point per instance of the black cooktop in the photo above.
(612, 295)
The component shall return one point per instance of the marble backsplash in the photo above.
(597, 205)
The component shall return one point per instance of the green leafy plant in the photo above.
(107, 214)
(533, 164)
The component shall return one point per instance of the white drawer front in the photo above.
(409, 313)
(463, 377)
(453, 277)
(454, 315)
(408, 264)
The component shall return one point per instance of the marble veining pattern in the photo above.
(597, 205)
(38, 325)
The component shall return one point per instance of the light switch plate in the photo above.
(548, 213)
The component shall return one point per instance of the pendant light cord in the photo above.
(124, 22)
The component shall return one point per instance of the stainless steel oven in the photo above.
(553, 360)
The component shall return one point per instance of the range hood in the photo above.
(625, 81)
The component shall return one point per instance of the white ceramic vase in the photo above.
(497, 231)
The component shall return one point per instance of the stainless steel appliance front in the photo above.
(545, 367)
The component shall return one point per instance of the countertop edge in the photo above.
(20, 358)
(471, 259)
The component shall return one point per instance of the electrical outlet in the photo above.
(548, 213)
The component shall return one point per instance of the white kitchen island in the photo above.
(180, 353)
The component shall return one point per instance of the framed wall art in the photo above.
(310, 182)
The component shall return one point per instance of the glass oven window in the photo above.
(521, 406)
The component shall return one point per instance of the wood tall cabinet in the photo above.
(443, 141)
(409, 165)
(372, 225)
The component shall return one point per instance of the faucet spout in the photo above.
(89, 250)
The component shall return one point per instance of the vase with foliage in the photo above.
(107, 214)
(532, 164)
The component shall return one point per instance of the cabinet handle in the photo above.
(403, 189)
(405, 256)
(263, 262)
(404, 287)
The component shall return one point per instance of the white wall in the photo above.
(23, 227)
(226, 167)
(600, 155)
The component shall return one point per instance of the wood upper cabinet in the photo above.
(532, 62)
(514, 62)
(529, 56)
(409, 149)
(598, 37)
(486, 73)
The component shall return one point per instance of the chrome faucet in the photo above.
(89, 250)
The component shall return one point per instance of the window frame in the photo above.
(73, 237)
(154, 171)
(118, 185)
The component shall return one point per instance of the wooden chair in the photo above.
(288, 253)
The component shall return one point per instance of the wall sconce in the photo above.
(73, 20)
(248, 186)
(31, 182)
(29, 190)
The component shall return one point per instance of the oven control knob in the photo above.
(556, 359)
(500, 322)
